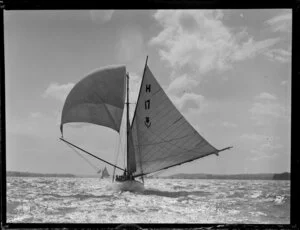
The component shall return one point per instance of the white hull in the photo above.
(128, 185)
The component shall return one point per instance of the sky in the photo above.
(227, 71)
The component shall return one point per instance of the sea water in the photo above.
(91, 200)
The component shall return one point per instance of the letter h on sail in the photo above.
(148, 88)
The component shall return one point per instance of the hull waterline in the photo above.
(128, 185)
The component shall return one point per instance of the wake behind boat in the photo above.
(158, 137)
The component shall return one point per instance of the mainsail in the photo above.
(162, 137)
(98, 99)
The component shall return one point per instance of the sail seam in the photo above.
(170, 149)
(164, 158)
(164, 141)
(139, 151)
(185, 151)
(174, 144)
(178, 132)
(109, 114)
(169, 129)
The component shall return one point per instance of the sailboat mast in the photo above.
(127, 119)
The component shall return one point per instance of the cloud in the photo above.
(265, 146)
(182, 83)
(281, 22)
(225, 124)
(57, 91)
(200, 40)
(36, 124)
(266, 107)
(283, 83)
(280, 55)
(229, 124)
(251, 48)
(101, 16)
(254, 137)
(187, 101)
(78, 125)
(35, 114)
(267, 96)
(135, 83)
(130, 46)
(262, 111)
(266, 150)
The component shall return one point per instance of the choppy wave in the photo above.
(89, 200)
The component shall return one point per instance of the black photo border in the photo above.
(7, 5)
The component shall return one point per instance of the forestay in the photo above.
(162, 137)
(98, 99)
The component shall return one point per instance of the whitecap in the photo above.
(279, 200)
(256, 194)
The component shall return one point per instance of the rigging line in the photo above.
(92, 165)
(90, 154)
(157, 173)
(139, 150)
(122, 130)
(124, 153)
(113, 175)
(117, 152)
(120, 143)
(120, 149)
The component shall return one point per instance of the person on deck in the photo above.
(125, 175)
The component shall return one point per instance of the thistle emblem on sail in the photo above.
(147, 122)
